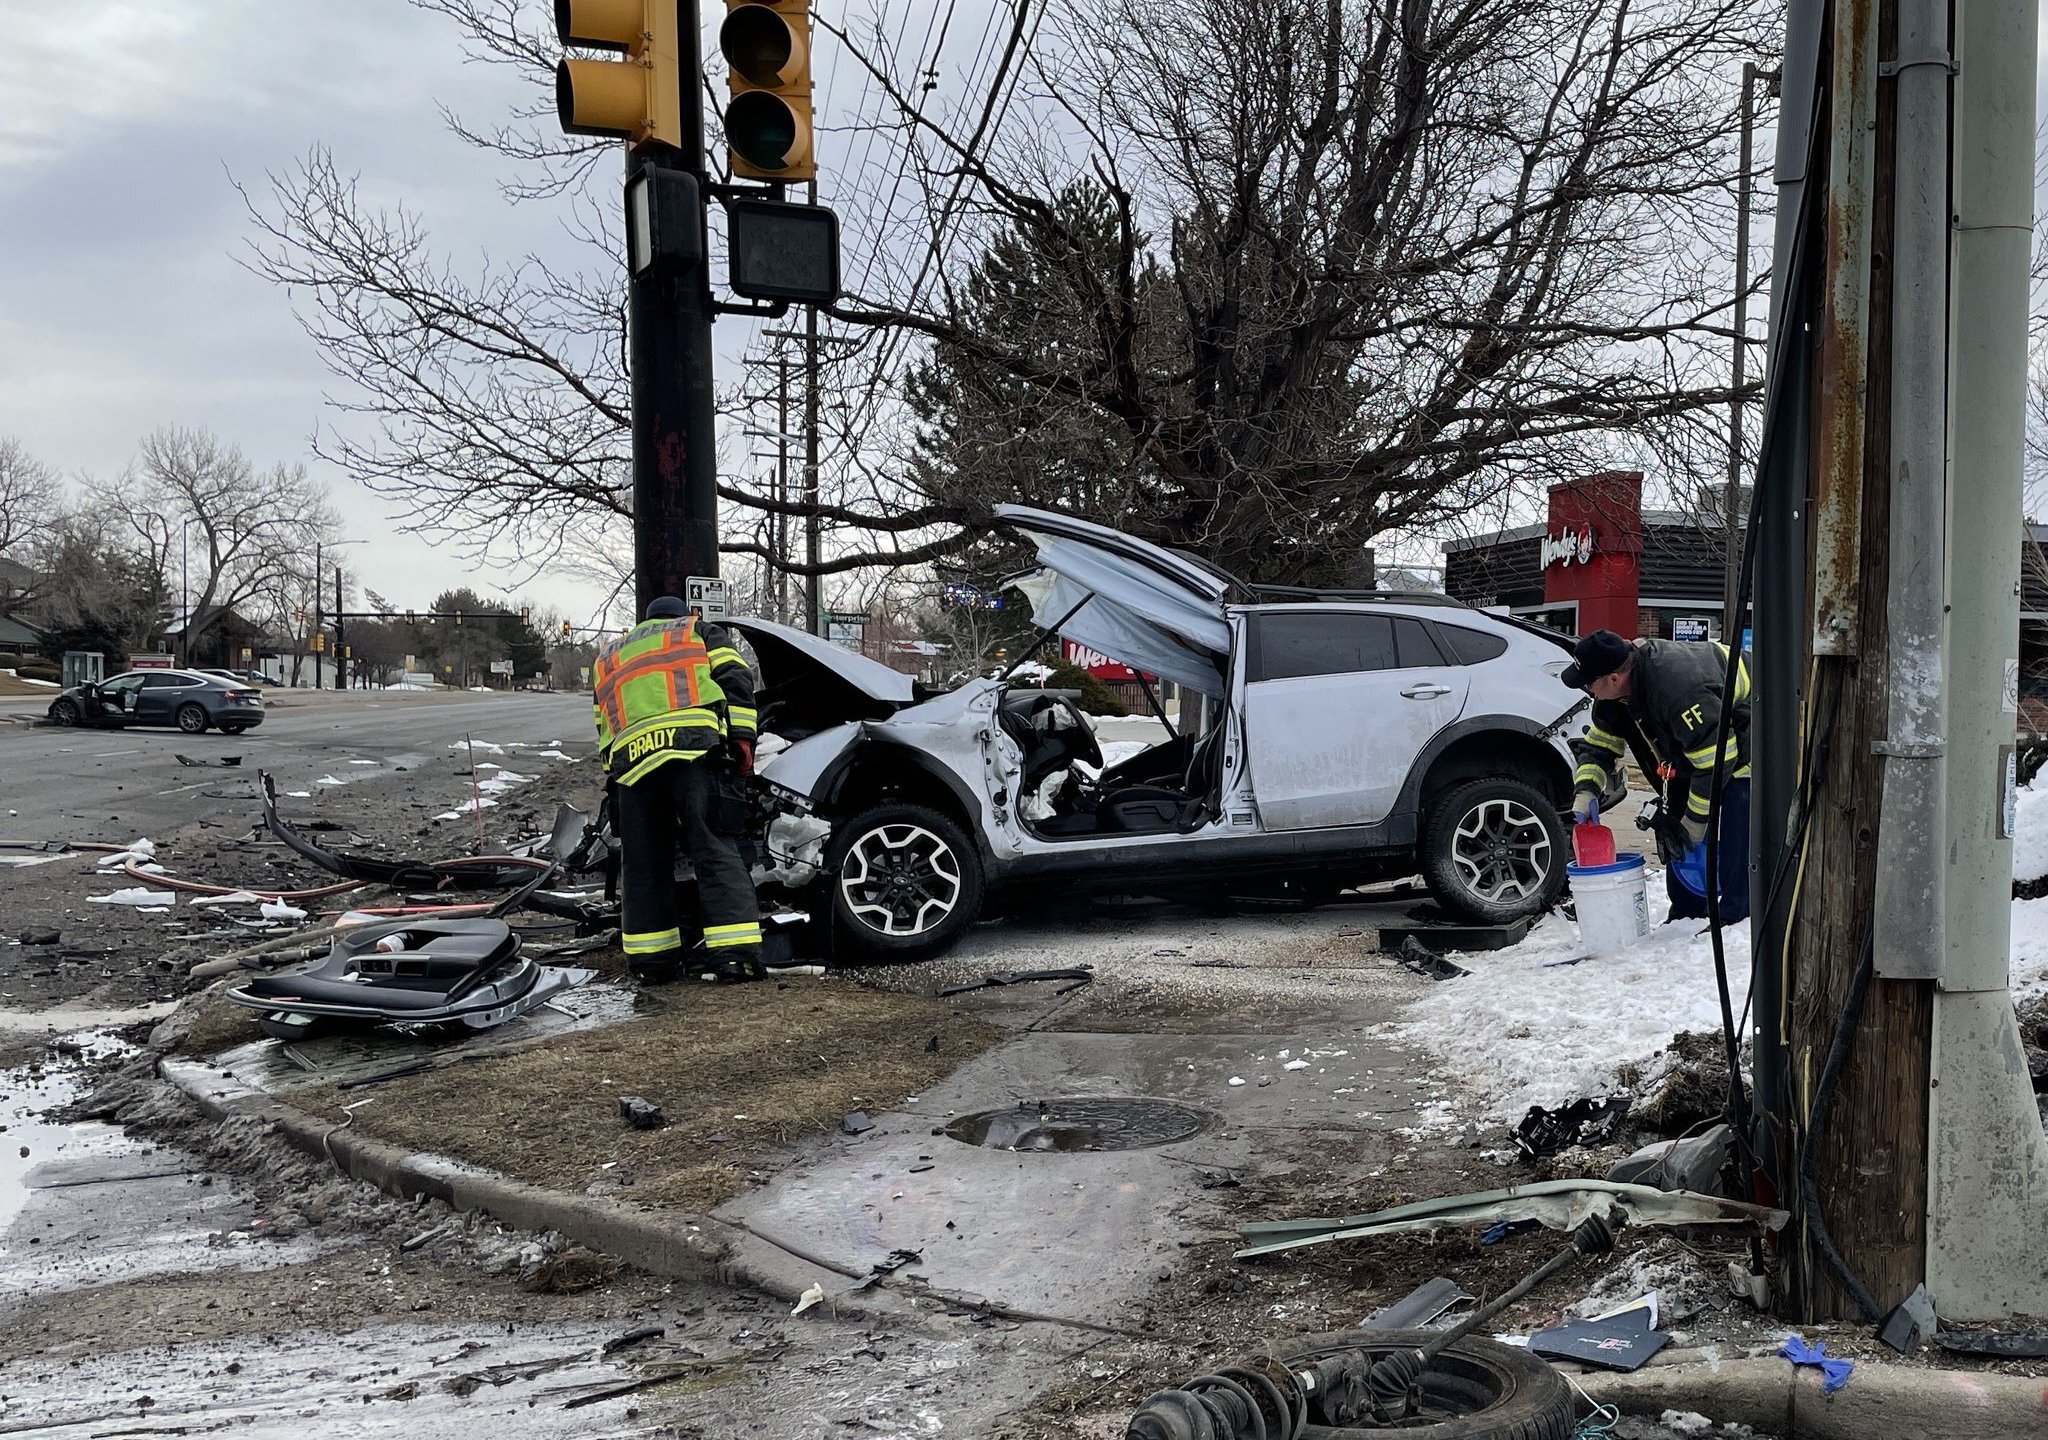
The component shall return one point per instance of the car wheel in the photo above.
(906, 882)
(65, 712)
(1493, 851)
(1475, 1389)
(191, 718)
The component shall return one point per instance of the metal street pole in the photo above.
(340, 633)
(185, 593)
(675, 455)
(319, 678)
(814, 619)
(1732, 510)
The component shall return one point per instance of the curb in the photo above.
(686, 1247)
(1775, 1398)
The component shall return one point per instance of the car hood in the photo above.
(789, 656)
(1149, 607)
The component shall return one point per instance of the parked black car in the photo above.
(184, 698)
(239, 677)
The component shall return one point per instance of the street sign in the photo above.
(782, 252)
(501, 667)
(150, 661)
(707, 596)
(846, 627)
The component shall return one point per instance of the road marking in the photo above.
(109, 754)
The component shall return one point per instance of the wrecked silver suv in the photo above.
(1354, 738)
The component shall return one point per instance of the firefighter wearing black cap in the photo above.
(1663, 699)
(675, 725)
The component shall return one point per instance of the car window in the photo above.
(1471, 647)
(122, 682)
(1311, 643)
(1414, 646)
(164, 682)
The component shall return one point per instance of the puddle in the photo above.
(1076, 1125)
(280, 1067)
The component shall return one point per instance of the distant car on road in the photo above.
(189, 699)
(240, 677)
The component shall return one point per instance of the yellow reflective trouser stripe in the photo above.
(1596, 736)
(726, 937)
(647, 942)
(657, 759)
(1590, 774)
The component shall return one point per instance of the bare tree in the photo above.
(1367, 265)
(28, 497)
(198, 514)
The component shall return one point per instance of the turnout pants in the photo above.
(684, 802)
(1732, 855)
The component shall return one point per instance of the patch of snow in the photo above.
(278, 910)
(484, 745)
(329, 780)
(362, 762)
(2029, 948)
(136, 895)
(2030, 832)
(300, 794)
(1524, 1030)
(468, 807)
(552, 755)
(488, 765)
(1685, 1422)
(1295, 1065)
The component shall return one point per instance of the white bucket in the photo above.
(1614, 911)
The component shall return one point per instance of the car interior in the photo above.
(1171, 787)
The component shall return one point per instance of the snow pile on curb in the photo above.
(1524, 1030)
(2030, 840)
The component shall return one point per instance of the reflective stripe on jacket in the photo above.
(656, 699)
(1674, 703)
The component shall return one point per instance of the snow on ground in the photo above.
(1524, 1029)
(2030, 843)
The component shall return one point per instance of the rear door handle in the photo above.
(1426, 691)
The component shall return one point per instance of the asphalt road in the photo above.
(117, 784)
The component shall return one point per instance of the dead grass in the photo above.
(220, 1026)
(15, 685)
(739, 1071)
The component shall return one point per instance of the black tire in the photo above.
(1491, 1391)
(191, 718)
(916, 913)
(1493, 851)
(66, 712)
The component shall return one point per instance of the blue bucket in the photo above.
(1691, 869)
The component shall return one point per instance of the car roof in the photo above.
(199, 675)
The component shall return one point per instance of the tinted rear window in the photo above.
(1288, 646)
(1471, 647)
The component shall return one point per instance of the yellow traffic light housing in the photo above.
(767, 45)
(639, 97)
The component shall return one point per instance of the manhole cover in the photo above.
(1082, 1124)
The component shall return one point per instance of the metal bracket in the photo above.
(1909, 749)
(774, 311)
(1889, 68)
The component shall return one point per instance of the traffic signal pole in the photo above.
(675, 447)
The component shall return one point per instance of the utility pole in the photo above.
(340, 635)
(1894, 1122)
(319, 677)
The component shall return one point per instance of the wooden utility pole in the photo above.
(1868, 1157)
(780, 520)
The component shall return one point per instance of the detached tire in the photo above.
(191, 718)
(905, 880)
(1477, 1389)
(1493, 851)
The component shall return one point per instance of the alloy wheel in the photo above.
(1502, 851)
(900, 879)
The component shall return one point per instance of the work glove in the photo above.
(1672, 843)
(743, 756)
(1695, 829)
(1585, 807)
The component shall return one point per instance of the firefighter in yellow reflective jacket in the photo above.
(1664, 700)
(675, 725)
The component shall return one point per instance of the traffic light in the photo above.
(767, 45)
(638, 97)
(565, 632)
(409, 617)
(525, 614)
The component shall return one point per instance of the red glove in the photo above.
(746, 753)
